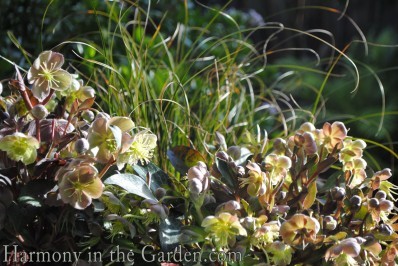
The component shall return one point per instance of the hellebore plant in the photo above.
(74, 179)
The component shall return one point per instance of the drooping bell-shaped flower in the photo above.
(255, 180)
(277, 166)
(20, 147)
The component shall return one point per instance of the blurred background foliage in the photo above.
(187, 62)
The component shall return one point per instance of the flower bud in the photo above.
(222, 155)
(355, 202)
(88, 115)
(374, 203)
(147, 203)
(280, 195)
(279, 145)
(249, 223)
(385, 229)
(209, 199)
(386, 205)
(160, 192)
(281, 209)
(330, 222)
(39, 111)
(338, 193)
(161, 210)
(102, 115)
(307, 127)
(309, 143)
(81, 146)
(240, 171)
(351, 247)
(299, 140)
(381, 195)
(231, 206)
(87, 92)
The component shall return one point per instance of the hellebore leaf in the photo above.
(228, 176)
(169, 233)
(158, 177)
(132, 184)
(183, 158)
(311, 196)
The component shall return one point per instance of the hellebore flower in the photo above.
(333, 135)
(357, 168)
(277, 166)
(299, 229)
(106, 135)
(265, 234)
(46, 74)
(351, 150)
(198, 178)
(223, 228)
(255, 180)
(78, 184)
(20, 147)
(281, 253)
(138, 148)
(344, 252)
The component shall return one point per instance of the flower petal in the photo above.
(40, 89)
(61, 80)
(94, 189)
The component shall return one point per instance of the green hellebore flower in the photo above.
(278, 166)
(281, 254)
(255, 180)
(351, 150)
(224, 228)
(79, 184)
(20, 147)
(46, 74)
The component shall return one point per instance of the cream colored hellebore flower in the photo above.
(79, 183)
(333, 135)
(351, 150)
(106, 136)
(277, 166)
(46, 74)
(137, 148)
(300, 229)
(20, 147)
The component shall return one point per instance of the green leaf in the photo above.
(33, 193)
(169, 233)
(132, 184)
(311, 196)
(228, 175)
(183, 158)
(158, 177)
